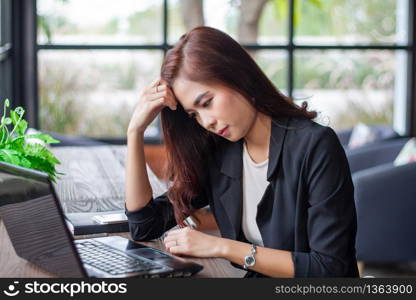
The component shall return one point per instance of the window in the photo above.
(347, 58)
(91, 64)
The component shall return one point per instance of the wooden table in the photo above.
(12, 266)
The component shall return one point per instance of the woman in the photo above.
(278, 184)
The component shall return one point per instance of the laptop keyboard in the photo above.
(113, 261)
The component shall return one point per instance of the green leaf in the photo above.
(21, 128)
(17, 143)
(42, 164)
(33, 150)
(14, 116)
(24, 162)
(10, 156)
(3, 134)
(43, 137)
(39, 151)
(317, 3)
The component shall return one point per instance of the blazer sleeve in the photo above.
(331, 216)
(152, 220)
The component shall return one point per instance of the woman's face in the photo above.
(217, 108)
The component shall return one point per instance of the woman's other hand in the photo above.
(152, 100)
(189, 241)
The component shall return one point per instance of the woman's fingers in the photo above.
(151, 101)
(174, 234)
(167, 101)
(156, 96)
(156, 86)
(161, 102)
(171, 244)
(159, 88)
(163, 92)
(171, 237)
(155, 82)
(177, 250)
(177, 241)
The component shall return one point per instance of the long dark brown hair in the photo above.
(208, 55)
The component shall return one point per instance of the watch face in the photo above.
(250, 260)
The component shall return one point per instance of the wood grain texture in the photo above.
(94, 178)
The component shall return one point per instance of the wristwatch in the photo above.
(250, 260)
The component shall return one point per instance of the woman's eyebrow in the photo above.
(198, 99)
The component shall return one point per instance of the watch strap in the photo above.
(250, 257)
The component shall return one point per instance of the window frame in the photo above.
(5, 49)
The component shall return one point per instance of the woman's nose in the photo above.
(208, 122)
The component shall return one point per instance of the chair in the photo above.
(383, 132)
(385, 202)
(374, 154)
(385, 198)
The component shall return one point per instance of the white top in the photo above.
(254, 185)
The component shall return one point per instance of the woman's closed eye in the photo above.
(207, 103)
(193, 115)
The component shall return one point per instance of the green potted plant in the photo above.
(22, 149)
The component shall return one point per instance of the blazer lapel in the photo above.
(231, 198)
(277, 137)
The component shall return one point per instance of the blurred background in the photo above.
(348, 58)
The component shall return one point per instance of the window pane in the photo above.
(351, 21)
(348, 87)
(5, 52)
(99, 21)
(274, 64)
(5, 22)
(93, 93)
(228, 17)
(5, 80)
(1, 22)
(273, 23)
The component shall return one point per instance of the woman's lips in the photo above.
(223, 131)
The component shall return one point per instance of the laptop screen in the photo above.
(34, 221)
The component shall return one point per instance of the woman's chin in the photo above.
(233, 138)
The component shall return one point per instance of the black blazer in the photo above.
(308, 207)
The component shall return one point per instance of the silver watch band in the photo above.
(250, 260)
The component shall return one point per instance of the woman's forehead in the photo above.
(187, 91)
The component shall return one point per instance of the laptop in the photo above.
(34, 219)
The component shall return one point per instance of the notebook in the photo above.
(35, 222)
(84, 223)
